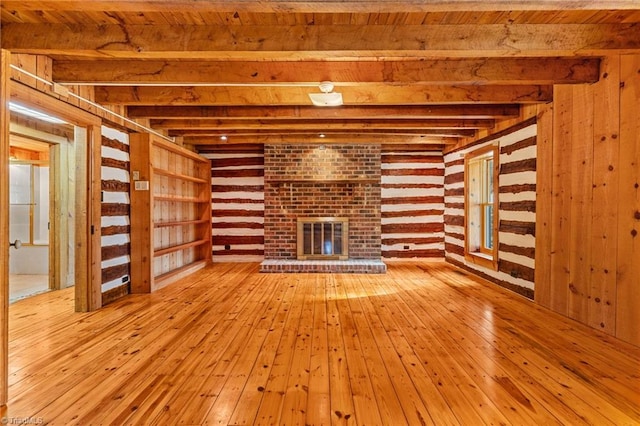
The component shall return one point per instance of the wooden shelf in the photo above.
(175, 198)
(173, 249)
(180, 223)
(179, 176)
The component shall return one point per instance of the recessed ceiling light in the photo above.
(223, 138)
(322, 135)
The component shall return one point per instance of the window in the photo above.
(481, 206)
(29, 203)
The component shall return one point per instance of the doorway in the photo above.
(78, 216)
(41, 217)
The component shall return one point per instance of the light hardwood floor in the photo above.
(423, 344)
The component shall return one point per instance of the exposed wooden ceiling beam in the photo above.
(200, 42)
(322, 125)
(357, 95)
(457, 71)
(437, 133)
(345, 111)
(346, 139)
(310, 6)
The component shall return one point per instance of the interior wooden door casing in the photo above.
(5, 61)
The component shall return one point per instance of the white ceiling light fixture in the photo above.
(328, 97)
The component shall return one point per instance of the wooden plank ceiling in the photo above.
(409, 72)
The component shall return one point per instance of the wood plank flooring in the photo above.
(423, 344)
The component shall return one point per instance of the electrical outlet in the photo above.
(135, 175)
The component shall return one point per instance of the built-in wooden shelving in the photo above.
(170, 212)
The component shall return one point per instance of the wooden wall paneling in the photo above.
(44, 68)
(142, 259)
(27, 63)
(5, 118)
(604, 208)
(628, 288)
(560, 211)
(580, 205)
(544, 194)
(595, 204)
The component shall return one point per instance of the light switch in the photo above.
(142, 185)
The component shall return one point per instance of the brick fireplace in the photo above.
(322, 181)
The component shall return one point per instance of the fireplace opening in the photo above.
(323, 238)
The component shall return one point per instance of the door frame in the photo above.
(87, 244)
(87, 190)
(60, 189)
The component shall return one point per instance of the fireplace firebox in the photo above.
(323, 238)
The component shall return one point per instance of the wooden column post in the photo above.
(87, 256)
(5, 77)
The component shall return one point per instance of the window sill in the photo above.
(482, 259)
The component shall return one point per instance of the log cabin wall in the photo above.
(115, 224)
(412, 202)
(237, 209)
(587, 247)
(517, 198)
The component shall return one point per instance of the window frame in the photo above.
(483, 257)
(33, 200)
